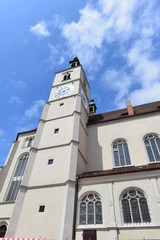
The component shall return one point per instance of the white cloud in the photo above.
(118, 81)
(34, 110)
(144, 95)
(53, 50)
(57, 21)
(55, 56)
(1, 132)
(40, 29)
(19, 84)
(120, 15)
(85, 36)
(15, 99)
(96, 26)
(134, 27)
(61, 60)
(146, 68)
(87, 31)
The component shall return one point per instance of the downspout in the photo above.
(75, 209)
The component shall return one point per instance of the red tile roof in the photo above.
(122, 113)
(121, 170)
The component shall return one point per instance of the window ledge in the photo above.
(92, 226)
(150, 163)
(123, 166)
(133, 226)
(7, 202)
(151, 225)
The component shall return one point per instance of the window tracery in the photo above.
(91, 210)
(135, 207)
(121, 153)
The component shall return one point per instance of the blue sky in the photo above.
(117, 42)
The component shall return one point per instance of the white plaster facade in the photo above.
(80, 148)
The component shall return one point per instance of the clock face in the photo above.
(64, 90)
(84, 99)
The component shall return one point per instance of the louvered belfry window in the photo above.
(135, 207)
(91, 210)
(152, 143)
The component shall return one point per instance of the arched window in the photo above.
(66, 76)
(69, 75)
(3, 230)
(121, 153)
(17, 178)
(91, 210)
(135, 207)
(152, 143)
(28, 141)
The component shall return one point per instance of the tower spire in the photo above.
(92, 106)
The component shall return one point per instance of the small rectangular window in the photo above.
(50, 161)
(56, 130)
(41, 208)
(61, 104)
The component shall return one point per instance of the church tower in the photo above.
(82, 175)
(46, 199)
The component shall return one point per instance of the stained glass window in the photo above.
(91, 210)
(135, 207)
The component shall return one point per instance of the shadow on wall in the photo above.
(95, 161)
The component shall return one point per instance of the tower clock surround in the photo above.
(64, 90)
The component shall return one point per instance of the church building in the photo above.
(82, 175)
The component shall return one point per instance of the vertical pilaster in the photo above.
(156, 191)
(67, 224)
(112, 219)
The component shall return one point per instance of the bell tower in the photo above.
(57, 156)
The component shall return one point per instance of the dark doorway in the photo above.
(89, 235)
(3, 229)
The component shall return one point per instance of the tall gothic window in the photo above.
(121, 153)
(17, 178)
(152, 143)
(91, 210)
(135, 207)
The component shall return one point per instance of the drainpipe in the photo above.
(75, 209)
